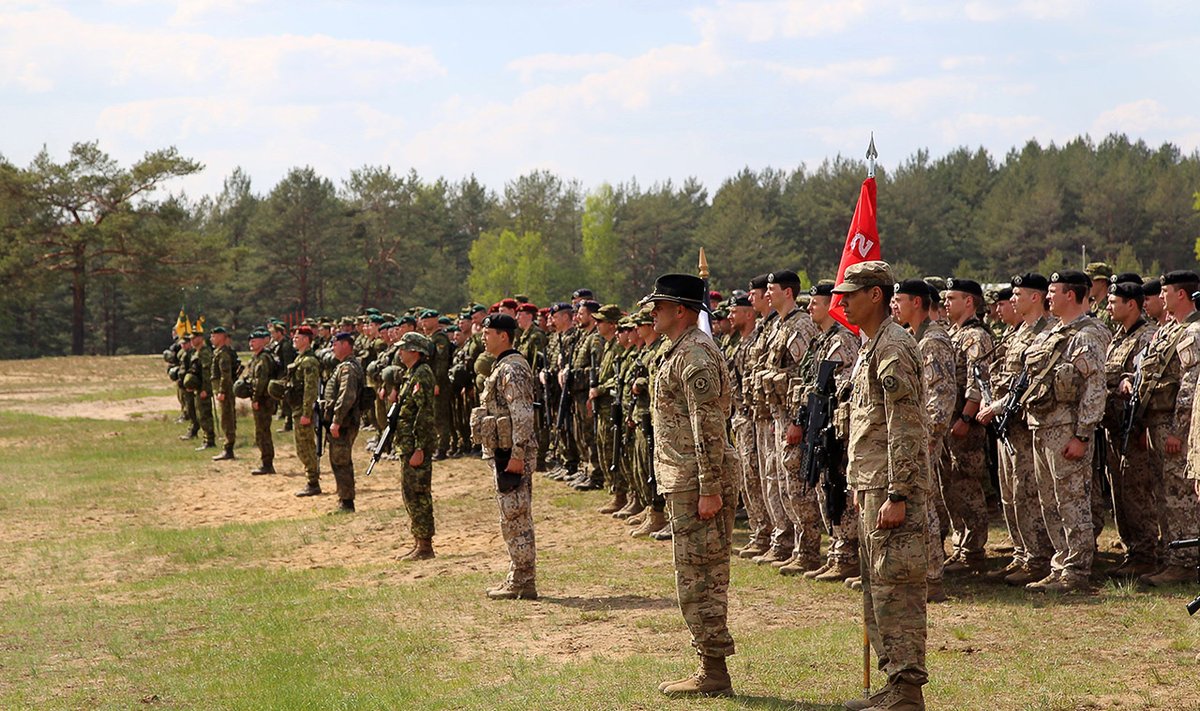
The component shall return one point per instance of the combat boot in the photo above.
(934, 592)
(711, 679)
(190, 434)
(1001, 573)
(854, 583)
(423, 550)
(618, 502)
(773, 554)
(786, 561)
(655, 520)
(663, 534)
(588, 484)
(310, 490)
(1133, 569)
(966, 563)
(809, 575)
(901, 697)
(754, 549)
(345, 506)
(208, 444)
(439, 455)
(1169, 575)
(1027, 574)
(868, 702)
(227, 454)
(630, 508)
(509, 591)
(1069, 584)
(800, 565)
(839, 571)
(638, 517)
(1040, 585)
(267, 467)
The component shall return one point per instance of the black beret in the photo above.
(914, 287)
(740, 300)
(590, 305)
(783, 278)
(1179, 276)
(759, 282)
(1126, 276)
(218, 329)
(967, 286)
(1126, 289)
(1031, 280)
(561, 306)
(500, 322)
(344, 336)
(1004, 294)
(581, 294)
(1072, 277)
(824, 288)
(1152, 287)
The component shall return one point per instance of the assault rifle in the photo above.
(989, 449)
(593, 383)
(1012, 407)
(385, 437)
(618, 425)
(822, 449)
(1194, 605)
(1132, 407)
(562, 420)
(319, 425)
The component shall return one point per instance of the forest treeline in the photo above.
(98, 257)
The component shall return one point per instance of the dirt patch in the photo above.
(132, 409)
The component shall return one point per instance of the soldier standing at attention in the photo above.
(415, 440)
(889, 473)
(341, 396)
(695, 465)
(503, 425)
(262, 405)
(224, 371)
(304, 383)
(285, 353)
(201, 367)
(1100, 274)
(744, 320)
(186, 353)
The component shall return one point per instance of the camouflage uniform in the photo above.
(602, 414)
(304, 384)
(1132, 476)
(439, 362)
(224, 370)
(533, 343)
(508, 393)
(201, 364)
(185, 358)
(262, 405)
(645, 439)
(770, 463)
(744, 438)
(342, 409)
(941, 395)
(888, 452)
(414, 430)
(1066, 399)
(693, 458)
(963, 489)
(1175, 352)
(561, 351)
(285, 353)
(585, 362)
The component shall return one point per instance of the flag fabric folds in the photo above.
(862, 244)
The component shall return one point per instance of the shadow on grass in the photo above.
(613, 602)
(772, 702)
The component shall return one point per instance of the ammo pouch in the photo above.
(1066, 383)
(504, 438)
(483, 428)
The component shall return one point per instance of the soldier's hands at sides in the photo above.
(1126, 387)
(1173, 444)
(1074, 450)
(891, 515)
(306, 420)
(417, 458)
(708, 506)
(515, 466)
(221, 397)
(254, 404)
(436, 391)
(985, 415)
(795, 433)
(960, 428)
(203, 395)
(335, 430)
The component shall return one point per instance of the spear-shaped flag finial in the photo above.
(872, 154)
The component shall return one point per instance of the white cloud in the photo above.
(912, 99)
(996, 10)
(972, 128)
(962, 62)
(534, 65)
(837, 72)
(1147, 118)
(764, 21)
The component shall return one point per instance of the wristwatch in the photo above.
(893, 496)
(966, 418)
(1084, 438)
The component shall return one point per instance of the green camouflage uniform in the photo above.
(602, 414)
(342, 409)
(262, 405)
(414, 430)
(201, 364)
(304, 385)
(585, 362)
(439, 362)
(224, 370)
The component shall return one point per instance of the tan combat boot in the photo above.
(901, 697)
(838, 571)
(1169, 575)
(753, 548)
(422, 551)
(618, 502)
(1133, 569)
(773, 554)
(1069, 584)
(654, 521)
(786, 561)
(1001, 573)
(809, 575)
(636, 519)
(511, 591)
(712, 679)
(868, 702)
(1027, 574)
(854, 583)
(1040, 585)
(800, 566)
(631, 507)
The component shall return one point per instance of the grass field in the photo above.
(137, 573)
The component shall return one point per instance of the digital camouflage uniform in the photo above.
(962, 490)
(1132, 477)
(533, 343)
(693, 458)
(342, 409)
(508, 393)
(1175, 353)
(770, 461)
(754, 496)
(262, 405)
(224, 371)
(414, 430)
(1066, 399)
(585, 363)
(1018, 485)
(938, 364)
(602, 413)
(304, 386)
(888, 451)
(560, 353)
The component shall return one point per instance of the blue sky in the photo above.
(597, 91)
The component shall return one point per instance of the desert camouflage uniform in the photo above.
(341, 396)
(508, 392)
(1132, 476)
(262, 367)
(888, 452)
(1066, 399)
(1169, 411)
(693, 458)
(414, 430)
(963, 489)
(941, 395)
(744, 438)
(1018, 485)
(304, 378)
(770, 461)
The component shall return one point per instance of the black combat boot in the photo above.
(267, 467)
(227, 454)
(310, 490)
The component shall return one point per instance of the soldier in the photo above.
(1155, 309)
(201, 370)
(283, 350)
(602, 399)
(1131, 471)
(1018, 487)
(695, 465)
(623, 406)
(1100, 275)
(224, 372)
(914, 302)
(888, 452)
(1170, 370)
(439, 362)
(963, 488)
(747, 329)
(303, 394)
(341, 410)
(186, 353)
(584, 367)
(560, 353)
(653, 519)
(262, 405)
(838, 344)
(532, 344)
(1063, 406)
(503, 425)
(414, 442)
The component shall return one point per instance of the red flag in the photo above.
(862, 245)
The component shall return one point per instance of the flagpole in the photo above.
(702, 272)
(872, 154)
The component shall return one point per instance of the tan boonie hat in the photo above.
(864, 275)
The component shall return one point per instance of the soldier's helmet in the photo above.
(390, 376)
(413, 341)
(277, 389)
(241, 388)
(191, 382)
